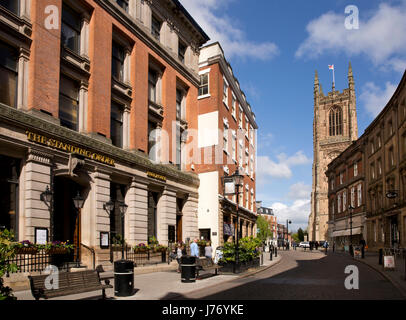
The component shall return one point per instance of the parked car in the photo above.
(304, 244)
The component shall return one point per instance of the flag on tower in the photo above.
(331, 67)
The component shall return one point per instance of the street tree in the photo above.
(300, 234)
(264, 230)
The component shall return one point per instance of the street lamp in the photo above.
(78, 201)
(232, 185)
(287, 232)
(351, 209)
(123, 209)
(46, 197)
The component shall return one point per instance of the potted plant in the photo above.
(117, 242)
(25, 247)
(140, 248)
(7, 253)
(58, 247)
(161, 248)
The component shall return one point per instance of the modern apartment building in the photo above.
(226, 141)
(94, 98)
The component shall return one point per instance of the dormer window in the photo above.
(156, 28)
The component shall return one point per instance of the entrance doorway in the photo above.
(152, 214)
(65, 216)
(179, 216)
(9, 177)
(394, 232)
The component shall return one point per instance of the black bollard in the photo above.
(276, 252)
(380, 256)
(270, 255)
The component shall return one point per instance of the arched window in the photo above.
(336, 121)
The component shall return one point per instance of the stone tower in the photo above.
(334, 129)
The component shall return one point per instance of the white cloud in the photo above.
(210, 15)
(266, 167)
(375, 98)
(299, 191)
(381, 37)
(298, 213)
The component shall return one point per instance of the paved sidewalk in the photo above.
(397, 276)
(160, 285)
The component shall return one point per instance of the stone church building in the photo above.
(334, 129)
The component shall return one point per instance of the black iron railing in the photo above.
(39, 261)
(145, 257)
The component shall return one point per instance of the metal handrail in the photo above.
(93, 254)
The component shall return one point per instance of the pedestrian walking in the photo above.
(208, 250)
(194, 249)
(325, 246)
(317, 245)
(179, 255)
(363, 244)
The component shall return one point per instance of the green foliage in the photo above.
(152, 241)
(7, 252)
(300, 234)
(295, 237)
(264, 229)
(248, 250)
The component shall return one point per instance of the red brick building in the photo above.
(94, 98)
(226, 140)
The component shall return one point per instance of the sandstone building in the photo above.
(334, 129)
(380, 182)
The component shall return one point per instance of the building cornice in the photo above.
(144, 36)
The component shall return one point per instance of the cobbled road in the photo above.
(303, 276)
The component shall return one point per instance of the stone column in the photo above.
(84, 37)
(22, 86)
(83, 99)
(137, 213)
(95, 219)
(190, 218)
(166, 214)
(35, 177)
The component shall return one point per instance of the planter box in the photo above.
(57, 251)
(26, 250)
(229, 267)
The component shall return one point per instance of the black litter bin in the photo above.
(123, 278)
(188, 268)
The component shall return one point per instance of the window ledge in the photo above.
(204, 96)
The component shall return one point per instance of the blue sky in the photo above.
(274, 48)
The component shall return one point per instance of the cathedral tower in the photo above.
(334, 129)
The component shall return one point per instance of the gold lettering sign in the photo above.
(156, 176)
(53, 143)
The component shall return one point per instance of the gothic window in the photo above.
(336, 121)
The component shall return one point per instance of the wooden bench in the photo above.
(69, 283)
(206, 264)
